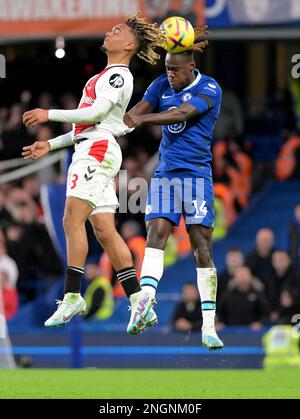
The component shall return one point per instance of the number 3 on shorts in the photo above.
(74, 181)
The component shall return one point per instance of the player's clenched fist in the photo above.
(34, 117)
(36, 150)
(132, 120)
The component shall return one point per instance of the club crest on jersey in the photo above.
(116, 81)
(177, 127)
(186, 97)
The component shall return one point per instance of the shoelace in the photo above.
(130, 308)
(60, 302)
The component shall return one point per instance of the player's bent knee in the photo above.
(157, 237)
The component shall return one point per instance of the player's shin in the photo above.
(207, 286)
(152, 270)
(129, 281)
(74, 276)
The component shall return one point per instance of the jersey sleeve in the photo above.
(113, 85)
(209, 97)
(152, 94)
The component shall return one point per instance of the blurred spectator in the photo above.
(186, 10)
(288, 306)
(281, 346)
(220, 229)
(69, 101)
(239, 172)
(131, 233)
(9, 266)
(242, 305)
(283, 275)
(157, 10)
(98, 295)
(231, 117)
(170, 253)
(9, 293)
(233, 168)
(182, 240)
(21, 206)
(259, 259)
(226, 195)
(5, 216)
(48, 174)
(286, 164)
(28, 243)
(234, 260)
(187, 314)
(45, 101)
(14, 135)
(294, 236)
(31, 185)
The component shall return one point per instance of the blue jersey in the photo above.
(187, 145)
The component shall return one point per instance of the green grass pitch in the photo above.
(118, 384)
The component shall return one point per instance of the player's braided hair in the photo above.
(199, 33)
(149, 35)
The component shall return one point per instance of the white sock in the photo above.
(152, 270)
(207, 286)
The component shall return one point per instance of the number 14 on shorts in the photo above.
(201, 209)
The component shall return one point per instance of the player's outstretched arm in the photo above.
(35, 117)
(36, 150)
(172, 116)
(40, 148)
(141, 108)
(91, 115)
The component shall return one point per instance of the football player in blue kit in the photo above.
(187, 105)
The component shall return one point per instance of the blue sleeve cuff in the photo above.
(202, 103)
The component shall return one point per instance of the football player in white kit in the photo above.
(96, 161)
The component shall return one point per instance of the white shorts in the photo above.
(95, 164)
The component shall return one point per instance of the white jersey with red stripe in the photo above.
(114, 83)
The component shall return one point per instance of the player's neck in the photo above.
(190, 81)
(118, 59)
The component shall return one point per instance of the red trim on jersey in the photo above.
(90, 92)
(98, 150)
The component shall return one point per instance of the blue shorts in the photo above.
(176, 193)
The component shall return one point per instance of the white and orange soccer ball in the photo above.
(179, 34)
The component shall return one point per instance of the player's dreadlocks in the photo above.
(199, 33)
(149, 35)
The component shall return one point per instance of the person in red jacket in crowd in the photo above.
(9, 300)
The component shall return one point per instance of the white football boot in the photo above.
(65, 312)
(150, 321)
(210, 339)
(141, 304)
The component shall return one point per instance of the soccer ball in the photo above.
(179, 34)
